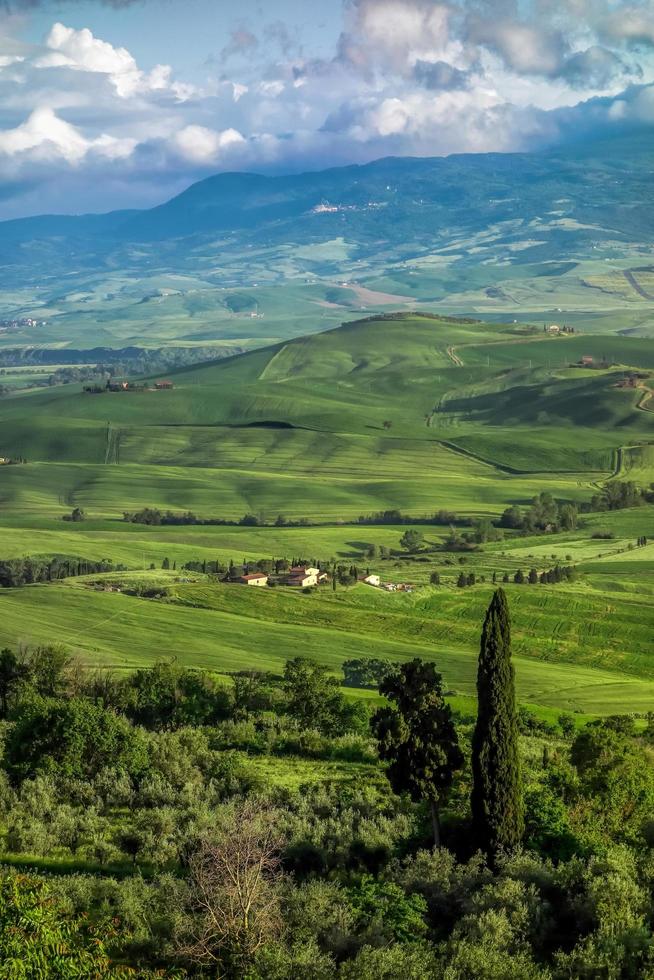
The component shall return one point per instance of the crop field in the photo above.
(402, 412)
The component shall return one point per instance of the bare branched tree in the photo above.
(233, 895)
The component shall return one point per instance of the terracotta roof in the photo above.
(253, 575)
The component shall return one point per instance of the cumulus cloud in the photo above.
(596, 67)
(405, 77)
(441, 75)
(79, 50)
(44, 136)
(198, 144)
(394, 35)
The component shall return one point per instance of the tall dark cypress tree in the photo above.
(497, 808)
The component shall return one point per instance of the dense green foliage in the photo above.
(40, 938)
(151, 804)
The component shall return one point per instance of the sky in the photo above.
(124, 103)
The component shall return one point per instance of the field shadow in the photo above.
(360, 547)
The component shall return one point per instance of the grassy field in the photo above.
(340, 418)
(408, 412)
(572, 650)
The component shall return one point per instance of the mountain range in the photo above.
(567, 230)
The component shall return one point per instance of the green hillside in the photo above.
(404, 412)
(430, 380)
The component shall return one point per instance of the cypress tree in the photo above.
(497, 808)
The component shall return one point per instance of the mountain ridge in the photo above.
(316, 178)
(249, 258)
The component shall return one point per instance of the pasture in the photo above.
(407, 412)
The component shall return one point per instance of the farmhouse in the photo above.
(163, 385)
(118, 385)
(255, 578)
(304, 576)
(398, 587)
(372, 580)
(586, 360)
(554, 328)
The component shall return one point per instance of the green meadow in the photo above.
(571, 650)
(408, 412)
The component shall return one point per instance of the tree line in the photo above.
(17, 572)
(544, 514)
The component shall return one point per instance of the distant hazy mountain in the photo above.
(466, 226)
(609, 185)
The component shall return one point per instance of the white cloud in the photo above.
(396, 34)
(44, 136)
(6, 60)
(272, 88)
(198, 144)
(80, 50)
(407, 77)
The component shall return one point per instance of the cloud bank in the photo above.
(84, 127)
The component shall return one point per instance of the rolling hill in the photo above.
(408, 411)
(361, 404)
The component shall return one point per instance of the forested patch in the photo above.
(415, 842)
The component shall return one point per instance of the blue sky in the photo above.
(190, 34)
(122, 104)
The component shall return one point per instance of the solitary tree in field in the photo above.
(497, 808)
(416, 735)
(412, 540)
